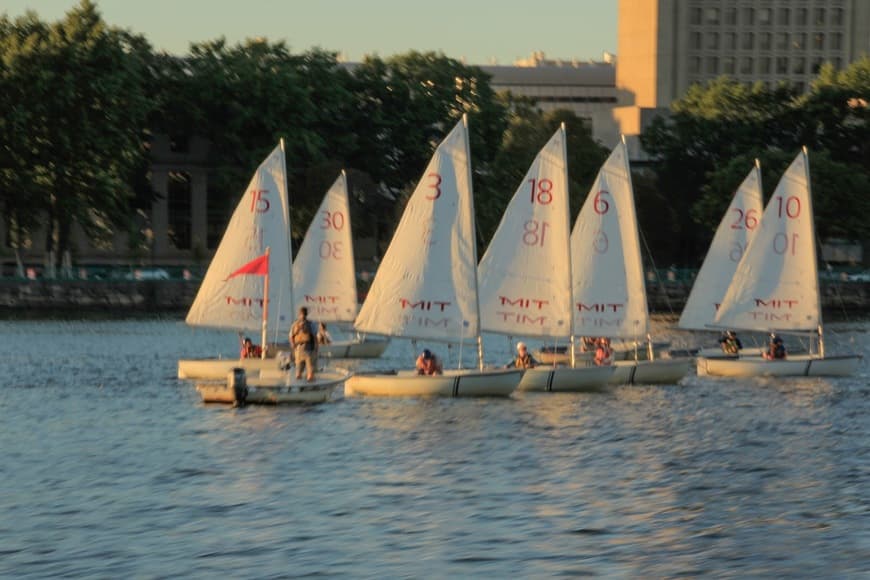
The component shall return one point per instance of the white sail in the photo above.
(609, 291)
(426, 285)
(775, 286)
(732, 237)
(261, 220)
(525, 274)
(324, 277)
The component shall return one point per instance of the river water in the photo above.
(113, 468)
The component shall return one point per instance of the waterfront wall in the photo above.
(142, 296)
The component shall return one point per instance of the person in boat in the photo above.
(588, 343)
(603, 352)
(524, 359)
(323, 336)
(250, 350)
(428, 363)
(730, 343)
(776, 348)
(303, 340)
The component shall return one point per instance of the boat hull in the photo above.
(454, 383)
(561, 356)
(366, 348)
(216, 369)
(566, 379)
(275, 389)
(645, 372)
(798, 366)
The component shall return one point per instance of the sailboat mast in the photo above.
(265, 307)
(568, 229)
(473, 238)
(813, 241)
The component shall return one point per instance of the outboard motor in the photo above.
(238, 384)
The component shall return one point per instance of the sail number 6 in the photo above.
(599, 203)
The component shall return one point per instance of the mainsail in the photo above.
(775, 286)
(261, 220)
(731, 240)
(609, 291)
(324, 277)
(426, 285)
(525, 274)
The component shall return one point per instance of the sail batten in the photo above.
(609, 296)
(737, 227)
(775, 285)
(260, 220)
(525, 273)
(424, 287)
(324, 277)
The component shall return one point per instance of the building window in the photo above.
(713, 40)
(731, 16)
(819, 41)
(731, 40)
(800, 86)
(695, 15)
(712, 65)
(782, 40)
(837, 41)
(695, 65)
(802, 16)
(764, 65)
(782, 16)
(695, 40)
(748, 16)
(799, 65)
(837, 16)
(819, 16)
(746, 65)
(728, 65)
(179, 209)
(748, 40)
(838, 63)
(817, 65)
(781, 65)
(712, 16)
(765, 41)
(764, 16)
(799, 40)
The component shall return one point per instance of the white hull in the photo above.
(217, 369)
(796, 366)
(580, 357)
(566, 379)
(453, 383)
(276, 388)
(655, 372)
(355, 348)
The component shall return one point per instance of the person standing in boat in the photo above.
(323, 336)
(776, 348)
(428, 364)
(524, 359)
(303, 340)
(250, 350)
(603, 352)
(730, 343)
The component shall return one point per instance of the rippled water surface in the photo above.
(113, 468)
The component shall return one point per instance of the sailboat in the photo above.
(609, 292)
(737, 227)
(775, 287)
(249, 303)
(426, 285)
(525, 273)
(324, 276)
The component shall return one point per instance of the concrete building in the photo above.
(586, 88)
(664, 46)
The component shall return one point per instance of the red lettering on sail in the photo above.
(438, 305)
(523, 302)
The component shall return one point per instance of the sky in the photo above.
(478, 31)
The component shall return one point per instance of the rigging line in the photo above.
(652, 261)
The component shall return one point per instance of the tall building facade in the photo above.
(664, 46)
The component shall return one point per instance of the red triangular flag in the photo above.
(256, 267)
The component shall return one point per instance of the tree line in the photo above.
(81, 100)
